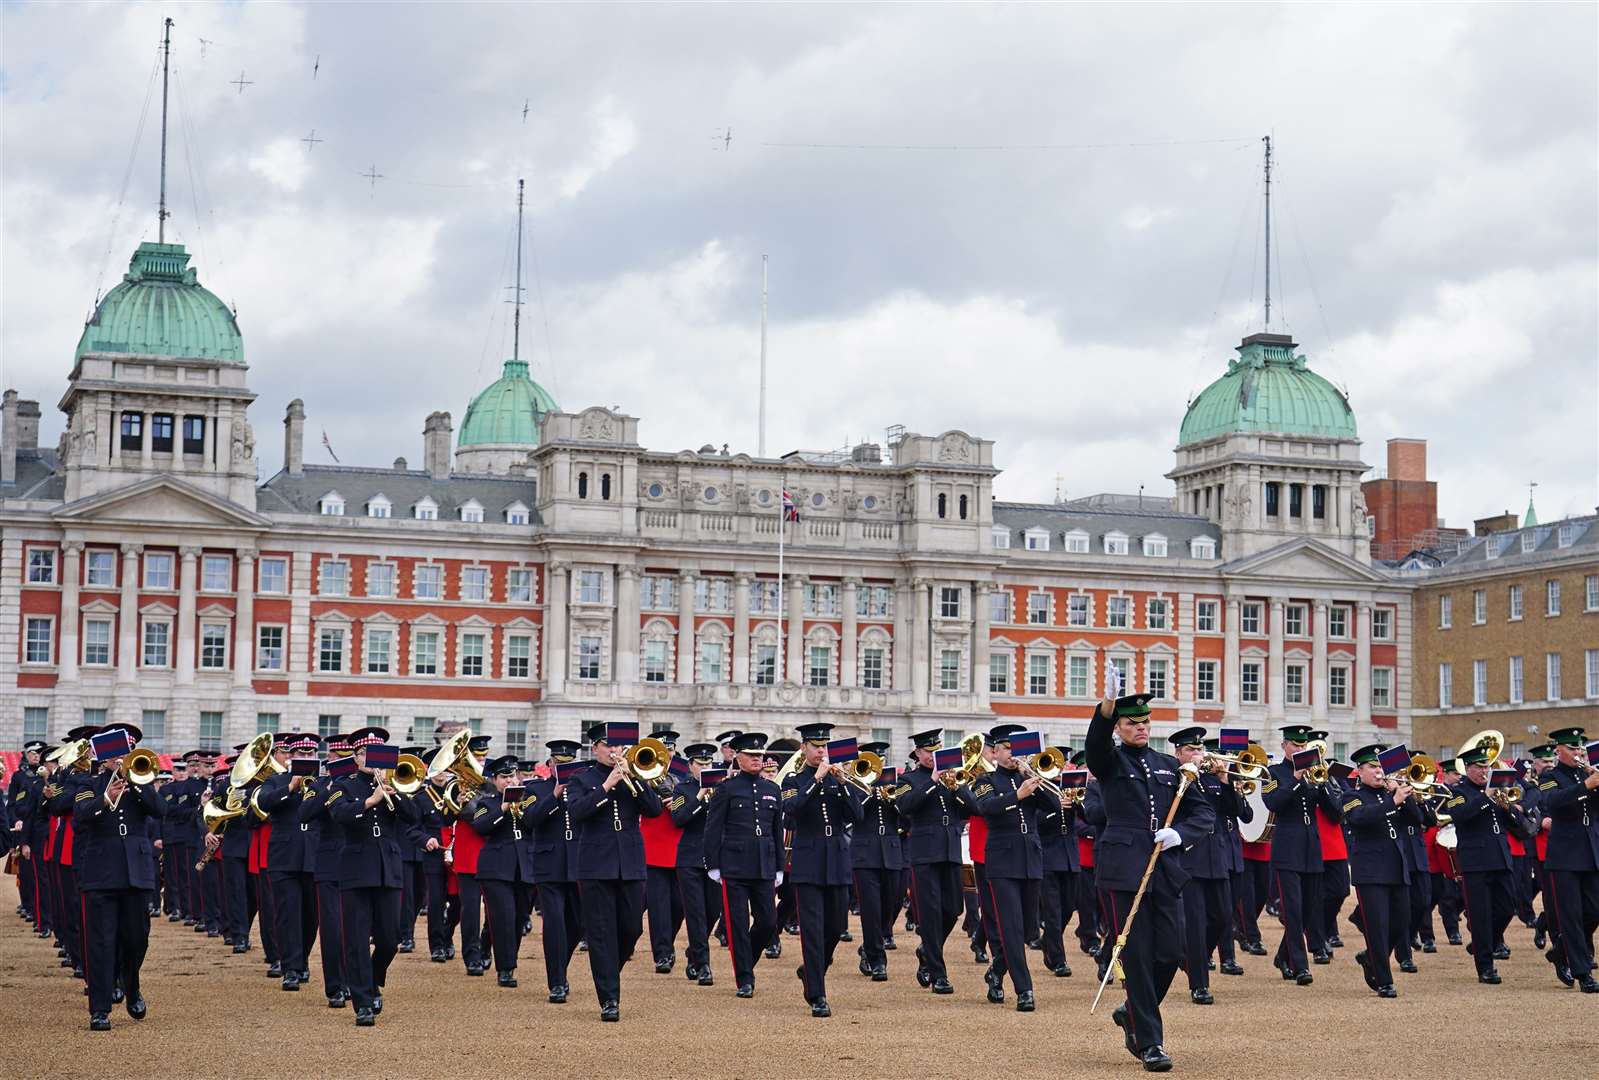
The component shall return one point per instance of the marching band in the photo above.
(1166, 859)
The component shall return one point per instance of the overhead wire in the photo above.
(127, 176)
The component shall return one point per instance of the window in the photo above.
(1296, 500)
(331, 504)
(475, 583)
(1076, 542)
(943, 505)
(157, 643)
(1318, 501)
(161, 433)
(1249, 682)
(1249, 619)
(999, 606)
(1038, 609)
(269, 648)
(658, 593)
(1294, 684)
(274, 575)
(380, 579)
(1338, 686)
(999, 668)
(35, 723)
(1294, 620)
(330, 651)
(1591, 663)
(100, 569)
(1205, 680)
(1515, 602)
(96, 642)
(710, 662)
(427, 581)
(1001, 537)
(1382, 624)
(590, 587)
(516, 515)
(1154, 546)
(1479, 682)
(605, 486)
(1479, 606)
(210, 731)
(1272, 492)
(132, 431)
(516, 738)
(1568, 534)
(422, 728)
(713, 594)
(763, 597)
(1077, 676)
(1038, 670)
(1155, 671)
(1446, 686)
(963, 504)
(40, 646)
(655, 653)
(266, 723)
(519, 586)
(41, 566)
(1124, 668)
(1529, 541)
(472, 512)
(327, 725)
(1118, 612)
(1115, 543)
(518, 656)
(820, 666)
(821, 599)
(154, 724)
(1205, 616)
(379, 652)
(472, 656)
(425, 510)
(1077, 609)
(1382, 688)
(379, 507)
(158, 571)
(765, 665)
(1590, 593)
(1517, 683)
(1155, 614)
(1202, 548)
(1551, 590)
(1551, 667)
(588, 658)
(872, 669)
(213, 646)
(333, 578)
(1338, 622)
(582, 485)
(949, 669)
(194, 434)
(1446, 612)
(874, 601)
(425, 649)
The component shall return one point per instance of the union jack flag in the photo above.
(790, 509)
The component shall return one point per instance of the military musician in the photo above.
(743, 855)
(1569, 797)
(1378, 814)
(1482, 823)
(701, 896)
(1293, 794)
(1011, 802)
(504, 863)
(876, 862)
(555, 866)
(935, 814)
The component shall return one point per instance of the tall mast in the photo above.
(1267, 141)
(166, 60)
(516, 317)
(760, 450)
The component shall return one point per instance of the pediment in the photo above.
(1303, 560)
(98, 607)
(160, 500)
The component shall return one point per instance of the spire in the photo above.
(1531, 517)
(166, 60)
(1267, 140)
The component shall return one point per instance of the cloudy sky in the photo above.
(1037, 224)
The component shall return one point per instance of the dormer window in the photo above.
(1202, 547)
(1077, 542)
(425, 509)
(378, 506)
(1001, 538)
(1037, 539)
(472, 510)
(331, 503)
(1154, 546)
(1115, 543)
(516, 514)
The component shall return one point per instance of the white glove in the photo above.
(779, 883)
(714, 875)
(1168, 838)
(1113, 681)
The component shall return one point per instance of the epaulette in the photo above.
(84, 795)
(480, 812)
(335, 797)
(1271, 785)
(677, 803)
(1458, 800)
(1351, 804)
(789, 793)
(1547, 784)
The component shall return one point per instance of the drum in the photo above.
(1447, 838)
(968, 869)
(1258, 829)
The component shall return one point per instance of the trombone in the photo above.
(647, 761)
(863, 771)
(1044, 767)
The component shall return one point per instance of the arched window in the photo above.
(605, 486)
(963, 508)
(943, 505)
(582, 485)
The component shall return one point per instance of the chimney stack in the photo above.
(8, 440)
(294, 438)
(436, 432)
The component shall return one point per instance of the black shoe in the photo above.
(338, 999)
(209, 933)
(1335, 942)
(773, 951)
(406, 946)
(137, 1007)
(880, 973)
(64, 962)
(1210, 965)
(291, 981)
(820, 1009)
(924, 978)
(888, 943)
(1491, 977)
(77, 972)
(1255, 948)
(241, 948)
(181, 919)
(1202, 996)
(1323, 957)
(1304, 978)
(721, 939)
(99, 1022)
(1540, 938)
(1288, 972)
(1119, 1018)
(792, 929)
(846, 936)
(274, 972)
(377, 1004)
(1387, 991)
(474, 969)
(582, 946)
(747, 990)
(865, 966)
(1231, 967)
(996, 994)
(1502, 952)
(506, 979)
(1061, 971)
(449, 952)
(1429, 946)
(942, 986)
(558, 995)
(799, 973)
(1454, 939)
(437, 956)
(1365, 971)
(1024, 1001)
(116, 995)
(610, 1011)
(1155, 1059)
(979, 955)
(1408, 967)
(664, 967)
(365, 1018)
(1589, 984)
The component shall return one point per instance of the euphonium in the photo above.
(455, 759)
(973, 764)
(253, 760)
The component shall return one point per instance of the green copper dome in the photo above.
(1268, 388)
(509, 411)
(160, 309)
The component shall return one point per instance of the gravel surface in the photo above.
(216, 1014)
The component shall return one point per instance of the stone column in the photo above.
(794, 611)
(904, 605)
(244, 621)
(981, 591)
(555, 629)
(625, 669)
(71, 560)
(921, 638)
(1361, 691)
(128, 616)
(685, 627)
(847, 675)
(1187, 672)
(1231, 663)
(1274, 662)
(209, 453)
(146, 454)
(183, 666)
(1318, 664)
(742, 583)
(116, 435)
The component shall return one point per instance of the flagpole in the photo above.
(782, 527)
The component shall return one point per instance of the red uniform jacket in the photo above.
(977, 836)
(467, 844)
(1258, 851)
(1332, 837)
(1085, 852)
(660, 840)
(258, 848)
